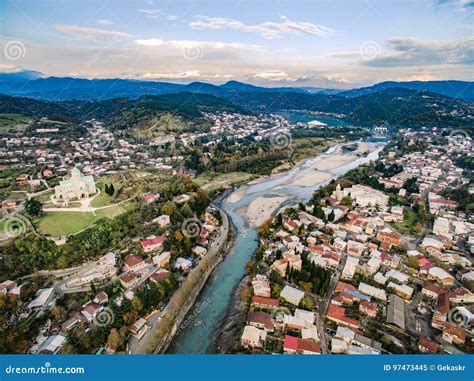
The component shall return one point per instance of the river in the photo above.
(216, 295)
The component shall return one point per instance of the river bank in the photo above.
(221, 321)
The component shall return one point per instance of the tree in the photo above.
(186, 211)
(115, 339)
(33, 207)
(106, 189)
(111, 190)
(331, 216)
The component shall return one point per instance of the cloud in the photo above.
(411, 51)
(9, 68)
(274, 75)
(91, 34)
(268, 29)
(185, 44)
(155, 13)
(464, 5)
(104, 22)
(184, 75)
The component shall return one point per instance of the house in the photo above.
(159, 275)
(375, 292)
(402, 290)
(264, 302)
(355, 248)
(368, 308)
(153, 244)
(183, 263)
(150, 197)
(199, 251)
(44, 298)
(134, 263)
(432, 291)
(338, 346)
(292, 295)
(261, 286)
(129, 279)
(161, 260)
(441, 276)
(139, 328)
(350, 268)
(181, 199)
(280, 266)
(337, 314)
(7, 286)
(295, 345)
(261, 320)
(90, 310)
(52, 345)
(387, 235)
(252, 337)
(454, 334)
(425, 345)
(101, 298)
(441, 226)
(163, 221)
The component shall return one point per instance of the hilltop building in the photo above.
(77, 187)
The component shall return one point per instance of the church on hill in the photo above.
(77, 187)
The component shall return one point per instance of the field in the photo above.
(67, 223)
(410, 225)
(307, 147)
(12, 123)
(103, 199)
(226, 180)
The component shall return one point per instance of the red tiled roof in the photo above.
(291, 342)
(265, 301)
(133, 260)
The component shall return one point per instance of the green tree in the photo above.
(33, 207)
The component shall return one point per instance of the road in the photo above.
(140, 347)
(323, 309)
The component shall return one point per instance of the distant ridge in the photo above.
(33, 85)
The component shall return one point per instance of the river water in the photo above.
(205, 317)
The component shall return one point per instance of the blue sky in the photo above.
(271, 43)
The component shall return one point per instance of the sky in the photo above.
(328, 44)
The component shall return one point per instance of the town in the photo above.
(377, 262)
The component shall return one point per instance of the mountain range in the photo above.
(33, 85)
